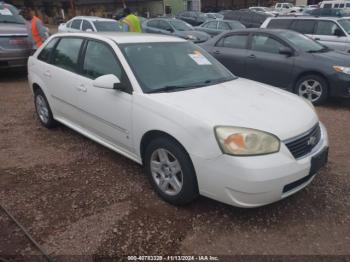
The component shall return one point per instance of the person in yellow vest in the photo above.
(131, 22)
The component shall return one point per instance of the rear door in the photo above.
(231, 51)
(325, 33)
(63, 77)
(265, 64)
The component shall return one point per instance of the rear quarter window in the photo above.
(45, 54)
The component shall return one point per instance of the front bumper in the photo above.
(340, 85)
(257, 180)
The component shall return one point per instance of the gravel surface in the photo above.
(77, 197)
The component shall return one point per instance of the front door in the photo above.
(105, 112)
(265, 64)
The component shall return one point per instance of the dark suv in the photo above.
(192, 17)
(333, 32)
(248, 18)
(14, 45)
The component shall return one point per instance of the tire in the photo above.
(308, 85)
(170, 171)
(43, 109)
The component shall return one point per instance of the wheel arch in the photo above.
(153, 134)
(310, 72)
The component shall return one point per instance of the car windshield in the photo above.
(302, 42)
(108, 26)
(173, 66)
(180, 25)
(345, 23)
(9, 14)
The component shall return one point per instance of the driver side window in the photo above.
(86, 25)
(266, 44)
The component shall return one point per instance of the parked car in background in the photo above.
(14, 43)
(285, 8)
(334, 4)
(192, 17)
(90, 24)
(167, 104)
(175, 27)
(330, 31)
(248, 18)
(330, 12)
(214, 16)
(216, 27)
(262, 9)
(284, 59)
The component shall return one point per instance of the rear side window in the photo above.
(86, 25)
(100, 60)
(347, 4)
(303, 26)
(280, 23)
(211, 25)
(234, 41)
(341, 5)
(46, 52)
(223, 26)
(66, 53)
(76, 24)
(327, 6)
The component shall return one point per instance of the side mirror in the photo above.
(170, 30)
(107, 81)
(338, 32)
(286, 51)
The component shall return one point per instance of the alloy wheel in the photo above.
(42, 108)
(166, 172)
(311, 90)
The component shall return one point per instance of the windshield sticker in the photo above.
(199, 58)
(5, 12)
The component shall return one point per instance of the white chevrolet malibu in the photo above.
(168, 105)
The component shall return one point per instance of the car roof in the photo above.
(258, 30)
(93, 18)
(126, 37)
(311, 17)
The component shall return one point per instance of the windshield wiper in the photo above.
(171, 88)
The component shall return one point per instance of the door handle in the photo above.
(317, 39)
(217, 52)
(252, 56)
(47, 74)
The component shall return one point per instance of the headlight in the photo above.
(191, 37)
(241, 141)
(342, 69)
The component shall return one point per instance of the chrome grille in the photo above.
(303, 144)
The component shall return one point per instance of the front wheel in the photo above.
(170, 171)
(312, 87)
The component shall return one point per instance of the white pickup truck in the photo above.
(285, 8)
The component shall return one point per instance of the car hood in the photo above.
(334, 57)
(200, 35)
(13, 29)
(244, 103)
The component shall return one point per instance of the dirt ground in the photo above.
(78, 198)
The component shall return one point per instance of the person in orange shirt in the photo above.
(37, 32)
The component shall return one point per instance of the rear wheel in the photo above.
(43, 109)
(170, 171)
(312, 87)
